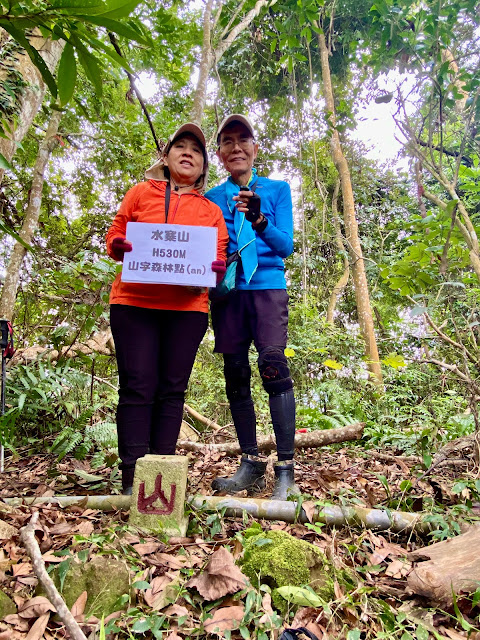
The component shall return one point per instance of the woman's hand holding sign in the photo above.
(219, 267)
(120, 246)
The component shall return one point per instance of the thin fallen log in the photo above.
(390, 457)
(27, 536)
(198, 416)
(101, 503)
(100, 343)
(379, 519)
(312, 440)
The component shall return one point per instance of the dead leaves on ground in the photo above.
(205, 571)
(220, 578)
(223, 619)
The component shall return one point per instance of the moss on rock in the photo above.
(278, 559)
(105, 580)
(7, 605)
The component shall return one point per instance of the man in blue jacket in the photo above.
(260, 225)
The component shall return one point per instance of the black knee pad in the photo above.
(274, 371)
(237, 380)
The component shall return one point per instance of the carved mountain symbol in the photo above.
(145, 504)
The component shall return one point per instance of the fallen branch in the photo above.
(331, 515)
(390, 457)
(101, 503)
(312, 440)
(198, 416)
(263, 509)
(27, 536)
(99, 344)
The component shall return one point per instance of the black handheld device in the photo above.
(4, 334)
(253, 213)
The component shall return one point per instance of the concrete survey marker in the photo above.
(158, 498)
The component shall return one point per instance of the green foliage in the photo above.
(397, 25)
(417, 269)
(314, 419)
(69, 439)
(83, 282)
(67, 74)
(320, 388)
(415, 416)
(13, 83)
(83, 438)
(42, 399)
(76, 23)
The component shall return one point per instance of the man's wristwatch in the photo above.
(261, 226)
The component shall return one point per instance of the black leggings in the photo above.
(155, 351)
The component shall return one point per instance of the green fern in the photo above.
(80, 425)
(328, 422)
(83, 438)
(103, 434)
(66, 442)
(316, 419)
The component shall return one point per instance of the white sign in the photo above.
(170, 254)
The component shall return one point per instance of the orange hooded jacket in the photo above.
(145, 202)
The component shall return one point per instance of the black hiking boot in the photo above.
(284, 481)
(127, 481)
(250, 475)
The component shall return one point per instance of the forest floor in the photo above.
(380, 606)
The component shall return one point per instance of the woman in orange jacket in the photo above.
(157, 328)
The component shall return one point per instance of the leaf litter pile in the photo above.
(194, 587)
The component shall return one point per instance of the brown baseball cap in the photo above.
(235, 117)
(192, 128)
(157, 170)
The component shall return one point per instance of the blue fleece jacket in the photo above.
(273, 244)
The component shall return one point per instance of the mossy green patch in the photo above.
(278, 559)
(105, 579)
(7, 606)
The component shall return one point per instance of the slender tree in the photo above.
(211, 54)
(30, 222)
(352, 238)
(343, 280)
(29, 84)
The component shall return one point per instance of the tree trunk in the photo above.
(452, 570)
(342, 282)
(200, 96)
(209, 56)
(362, 297)
(27, 536)
(32, 95)
(9, 291)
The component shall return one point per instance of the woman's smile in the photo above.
(185, 160)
